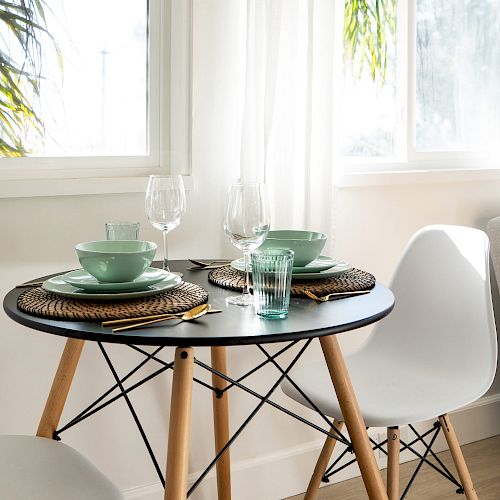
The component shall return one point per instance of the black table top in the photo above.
(236, 325)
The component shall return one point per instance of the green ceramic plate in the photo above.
(340, 268)
(82, 279)
(322, 263)
(328, 267)
(58, 286)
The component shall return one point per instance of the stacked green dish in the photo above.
(80, 284)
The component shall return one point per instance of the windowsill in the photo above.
(26, 188)
(136, 183)
(416, 176)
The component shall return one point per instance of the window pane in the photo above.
(458, 70)
(368, 114)
(95, 103)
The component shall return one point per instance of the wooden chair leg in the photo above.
(221, 423)
(458, 458)
(353, 418)
(322, 463)
(180, 422)
(60, 388)
(393, 463)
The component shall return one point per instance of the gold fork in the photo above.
(30, 283)
(213, 264)
(194, 313)
(205, 264)
(339, 295)
(136, 319)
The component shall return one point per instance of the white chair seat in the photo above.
(389, 392)
(35, 468)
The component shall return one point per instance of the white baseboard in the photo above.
(286, 473)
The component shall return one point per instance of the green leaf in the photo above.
(20, 76)
(368, 25)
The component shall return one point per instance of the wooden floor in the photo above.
(483, 460)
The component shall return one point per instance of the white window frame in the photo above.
(409, 165)
(169, 101)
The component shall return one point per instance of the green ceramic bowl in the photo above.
(306, 245)
(115, 261)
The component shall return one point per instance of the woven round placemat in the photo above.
(39, 302)
(350, 281)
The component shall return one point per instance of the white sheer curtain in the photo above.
(287, 123)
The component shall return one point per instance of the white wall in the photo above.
(38, 235)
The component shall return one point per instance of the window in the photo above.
(103, 72)
(94, 83)
(437, 105)
(457, 75)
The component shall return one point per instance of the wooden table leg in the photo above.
(60, 388)
(180, 425)
(353, 418)
(221, 423)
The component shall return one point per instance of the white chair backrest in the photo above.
(443, 318)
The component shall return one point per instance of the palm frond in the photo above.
(368, 25)
(20, 77)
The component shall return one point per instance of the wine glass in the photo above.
(247, 225)
(165, 206)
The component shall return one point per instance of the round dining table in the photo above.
(234, 325)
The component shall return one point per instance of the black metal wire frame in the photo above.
(330, 471)
(93, 408)
(134, 414)
(87, 412)
(236, 383)
(442, 469)
(303, 394)
(263, 400)
(258, 367)
(105, 400)
(423, 458)
(273, 404)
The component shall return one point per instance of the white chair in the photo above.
(434, 353)
(37, 468)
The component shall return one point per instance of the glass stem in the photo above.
(165, 251)
(246, 286)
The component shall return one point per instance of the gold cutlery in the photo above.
(35, 283)
(194, 313)
(335, 295)
(198, 268)
(30, 283)
(202, 264)
(114, 322)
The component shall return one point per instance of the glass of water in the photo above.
(122, 230)
(272, 278)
